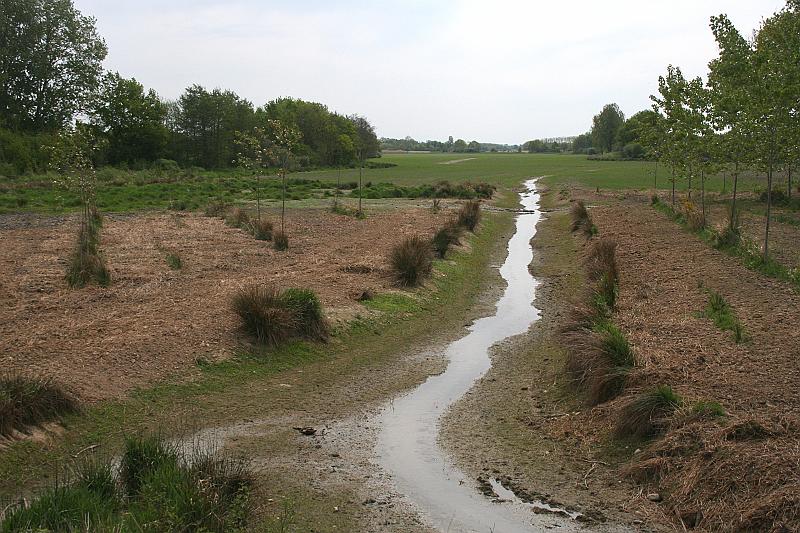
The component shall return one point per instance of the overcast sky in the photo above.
(495, 71)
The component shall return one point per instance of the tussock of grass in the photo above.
(87, 264)
(601, 268)
(708, 409)
(309, 317)
(27, 402)
(447, 236)
(581, 220)
(723, 316)
(646, 414)
(272, 318)
(599, 361)
(174, 261)
(238, 218)
(470, 215)
(264, 315)
(216, 209)
(280, 241)
(158, 489)
(261, 229)
(412, 260)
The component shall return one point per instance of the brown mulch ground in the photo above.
(736, 473)
(153, 322)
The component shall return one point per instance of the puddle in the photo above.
(407, 445)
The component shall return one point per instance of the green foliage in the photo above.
(52, 62)
(309, 318)
(601, 268)
(646, 414)
(723, 316)
(411, 260)
(708, 409)
(469, 215)
(159, 489)
(605, 127)
(174, 261)
(27, 402)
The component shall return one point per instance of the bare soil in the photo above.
(154, 323)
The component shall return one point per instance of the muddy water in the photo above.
(407, 445)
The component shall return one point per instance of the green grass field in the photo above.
(120, 190)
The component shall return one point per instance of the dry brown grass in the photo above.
(411, 260)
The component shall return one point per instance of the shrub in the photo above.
(216, 209)
(470, 215)
(27, 402)
(447, 236)
(581, 220)
(645, 415)
(264, 314)
(160, 490)
(174, 261)
(655, 200)
(262, 230)
(779, 197)
(280, 240)
(412, 260)
(238, 218)
(87, 264)
(309, 318)
(601, 268)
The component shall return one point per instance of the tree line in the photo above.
(52, 79)
(455, 146)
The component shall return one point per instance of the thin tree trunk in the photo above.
(283, 199)
(690, 182)
(360, 179)
(258, 197)
(769, 209)
(790, 183)
(733, 202)
(703, 194)
(724, 182)
(655, 177)
(673, 187)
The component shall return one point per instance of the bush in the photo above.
(447, 236)
(694, 217)
(470, 215)
(87, 264)
(27, 402)
(160, 489)
(645, 415)
(779, 197)
(262, 230)
(238, 218)
(264, 314)
(581, 220)
(309, 318)
(216, 209)
(174, 261)
(412, 260)
(600, 361)
(601, 267)
(280, 240)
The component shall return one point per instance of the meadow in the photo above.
(406, 176)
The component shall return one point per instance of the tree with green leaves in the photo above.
(285, 138)
(367, 145)
(50, 63)
(670, 104)
(605, 127)
(255, 154)
(131, 120)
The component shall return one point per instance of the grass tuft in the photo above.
(280, 241)
(718, 310)
(262, 230)
(216, 209)
(600, 361)
(581, 220)
(412, 260)
(447, 236)
(309, 317)
(174, 261)
(646, 414)
(26, 402)
(238, 218)
(87, 264)
(264, 315)
(601, 267)
(470, 215)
